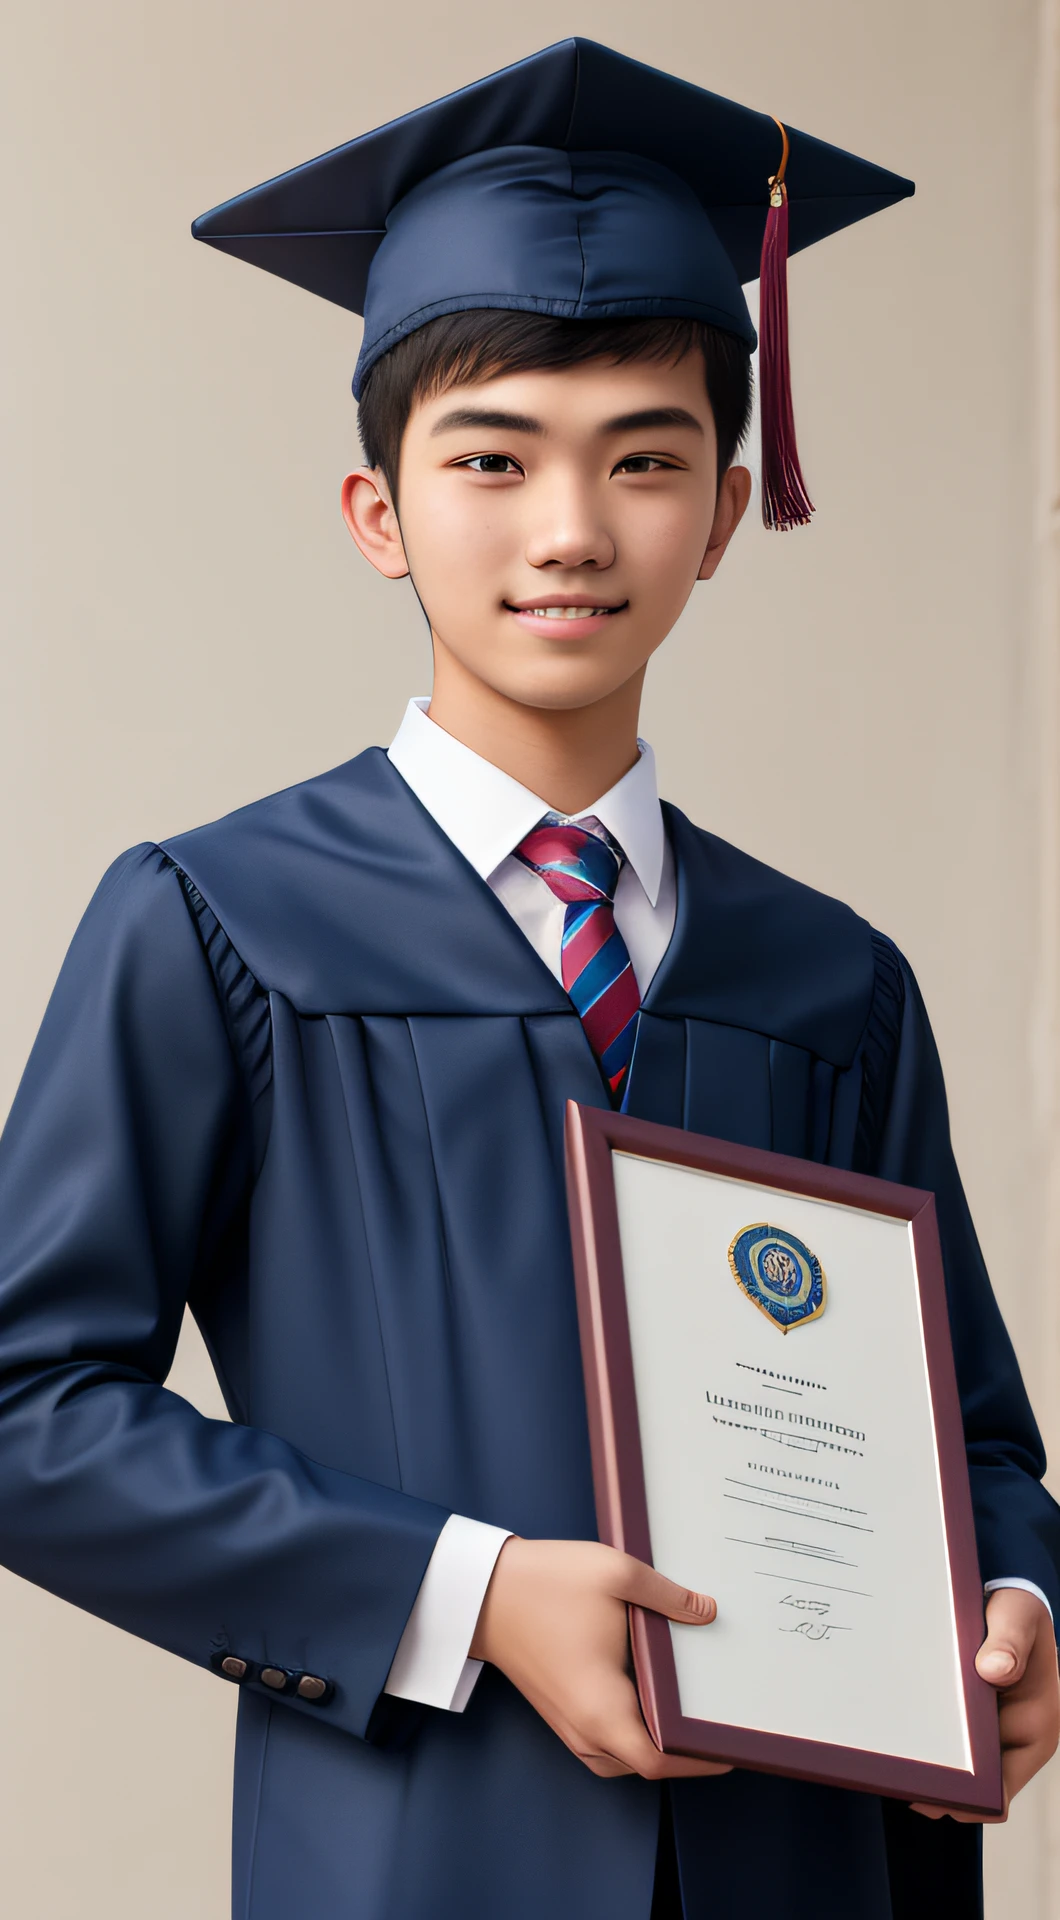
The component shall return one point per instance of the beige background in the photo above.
(872, 705)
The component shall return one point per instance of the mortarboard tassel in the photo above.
(785, 501)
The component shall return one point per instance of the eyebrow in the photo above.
(652, 417)
(462, 417)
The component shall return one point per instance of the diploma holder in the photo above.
(774, 1420)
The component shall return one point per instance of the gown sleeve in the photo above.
(1017, 1521)
(124, 1173)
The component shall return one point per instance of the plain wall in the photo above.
(186, 626)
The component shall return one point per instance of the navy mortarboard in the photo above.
(576, 183)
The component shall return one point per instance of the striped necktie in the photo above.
(582, 869)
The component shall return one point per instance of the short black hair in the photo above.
(462, 348)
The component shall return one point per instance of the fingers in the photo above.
(1020, 1637)
(962, 1818)
(1018, 1657)
(643, 1586)
(662, 1766)
(615, 1740)
(1030, 1713)
(555, 1621)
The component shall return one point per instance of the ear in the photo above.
(369, 514)
(734, 493)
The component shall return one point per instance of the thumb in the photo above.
(642, 1586)
(1002, 1658)
(999, 1662)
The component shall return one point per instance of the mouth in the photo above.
(565, 611)
(565, 607)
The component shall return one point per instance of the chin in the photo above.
(566, 697)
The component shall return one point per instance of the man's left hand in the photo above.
(1018, 1657)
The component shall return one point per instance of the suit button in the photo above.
(274, 1677)
(234, 1668)
(310, 1688)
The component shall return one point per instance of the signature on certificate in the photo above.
(813, 1622)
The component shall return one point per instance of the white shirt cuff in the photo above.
(431, 1664)
(1025, 1586)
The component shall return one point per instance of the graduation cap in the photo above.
(576, 183)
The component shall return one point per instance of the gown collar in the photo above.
(346, 896)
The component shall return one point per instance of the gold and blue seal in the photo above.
(779, 1273)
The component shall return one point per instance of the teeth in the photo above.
(566, 613)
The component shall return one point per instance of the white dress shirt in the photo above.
(486, 814)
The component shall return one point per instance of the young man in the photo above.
(306, 1069)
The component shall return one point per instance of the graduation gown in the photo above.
(303, 1071)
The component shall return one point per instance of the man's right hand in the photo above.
(554, 1621)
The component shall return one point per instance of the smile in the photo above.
(568, 613)
(569, 608)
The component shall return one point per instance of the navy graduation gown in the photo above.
(303, 1071)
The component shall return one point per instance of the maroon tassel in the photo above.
(785, 501)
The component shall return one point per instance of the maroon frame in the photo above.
(618, 1473)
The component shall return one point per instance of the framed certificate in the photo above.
(774, 1420)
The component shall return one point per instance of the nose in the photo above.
(568, 528)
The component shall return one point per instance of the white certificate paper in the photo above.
(793, 1475)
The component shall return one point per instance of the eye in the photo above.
(491, 463)
(645, 463)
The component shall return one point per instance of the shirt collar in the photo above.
(485, 813)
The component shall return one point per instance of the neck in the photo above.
(570, 756)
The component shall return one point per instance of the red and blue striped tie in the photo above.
(582, 869)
